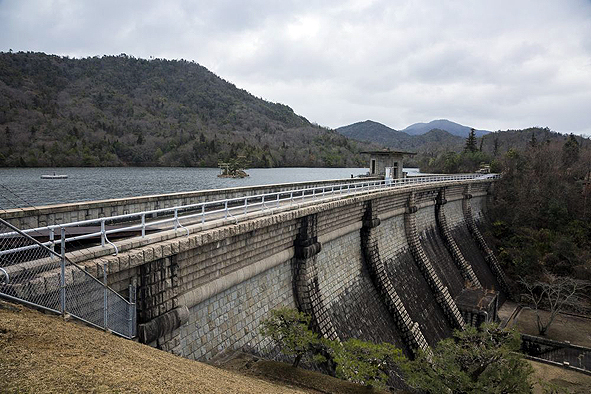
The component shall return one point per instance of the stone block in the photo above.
(36, 287)
(157, 252)
(148, 254)
(166, 249)
(136, 258)
(184, 244)
(124, 261)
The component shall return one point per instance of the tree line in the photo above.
(491, 149)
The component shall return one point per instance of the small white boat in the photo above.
(54, 176)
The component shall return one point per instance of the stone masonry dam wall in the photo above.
(386, 266)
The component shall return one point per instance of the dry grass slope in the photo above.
(43, 354)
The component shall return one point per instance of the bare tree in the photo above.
(552, 294)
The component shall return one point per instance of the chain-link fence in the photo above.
(33, 274)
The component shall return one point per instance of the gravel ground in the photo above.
(571, 328)
(574, 382)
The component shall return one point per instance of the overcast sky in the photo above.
(486, 64)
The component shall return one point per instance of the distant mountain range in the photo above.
(435, 136)
(447, 136)
(124, 111)
(434, 140)
(442, 124)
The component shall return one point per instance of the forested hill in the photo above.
(438, 142)
(431, 142)
(120, 110)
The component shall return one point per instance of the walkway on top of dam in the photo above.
(174, 220)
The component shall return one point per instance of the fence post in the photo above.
(143, 225)
(103, 232)
(63, 273)
(134, 309)
(52, 238)
(105, 295)
(131, 311)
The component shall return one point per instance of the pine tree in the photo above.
(473, 361)
(570, 151)
(289, 329)
(496, 147)
(471, 142)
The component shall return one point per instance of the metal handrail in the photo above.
(54, 253)
(64, 261)
(236, 203)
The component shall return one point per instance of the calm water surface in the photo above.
(23, 187)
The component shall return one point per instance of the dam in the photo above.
(400, 261)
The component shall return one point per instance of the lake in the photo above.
(23, 187)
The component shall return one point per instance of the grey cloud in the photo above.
(493, 65)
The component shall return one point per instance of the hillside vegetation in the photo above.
(440, 150)
(492, 149)
(120, 110)
(541, 211)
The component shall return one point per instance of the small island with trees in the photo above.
(233, 168)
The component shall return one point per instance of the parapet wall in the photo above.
(375, 266)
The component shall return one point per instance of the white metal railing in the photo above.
(43, 278)
(214, 210)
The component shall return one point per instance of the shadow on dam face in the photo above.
(358, 312)
(442, 261)
(417, 297)
(473, 254)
